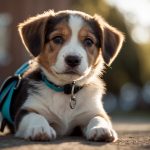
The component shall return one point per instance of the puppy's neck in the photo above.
(85, 80)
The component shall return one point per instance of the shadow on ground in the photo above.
(67, 143)
(134, 133)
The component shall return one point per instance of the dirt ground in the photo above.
(134, 134)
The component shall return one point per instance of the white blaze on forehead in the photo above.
(75, 24)
(74, 46)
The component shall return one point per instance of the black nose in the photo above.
(72, 61)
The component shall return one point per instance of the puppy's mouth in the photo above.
(69, 74)
(71, 71)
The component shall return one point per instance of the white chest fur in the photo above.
(55, 107)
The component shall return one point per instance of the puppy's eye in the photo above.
(88, 42)
(58, 40)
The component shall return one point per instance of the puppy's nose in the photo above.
(73, 61)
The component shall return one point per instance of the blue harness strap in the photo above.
(7, 91)
(12, 83)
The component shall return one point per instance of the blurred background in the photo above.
(128, 79)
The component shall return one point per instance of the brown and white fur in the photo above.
(66, 46)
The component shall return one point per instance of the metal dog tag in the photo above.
(72, 102)
(73, 98)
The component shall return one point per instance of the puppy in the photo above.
(62, 90)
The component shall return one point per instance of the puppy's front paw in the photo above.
(40, 133)
(99, 133)
(35, 127)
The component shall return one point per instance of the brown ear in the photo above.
(111, 42)
(32, 33)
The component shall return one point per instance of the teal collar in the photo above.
(52, 85)
(67, 88)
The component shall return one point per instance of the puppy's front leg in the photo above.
(35, 127)
(99, 129)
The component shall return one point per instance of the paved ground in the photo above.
(134, 134)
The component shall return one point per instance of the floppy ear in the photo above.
(32, 33)
(112, 40)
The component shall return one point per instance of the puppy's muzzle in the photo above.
(72, 61)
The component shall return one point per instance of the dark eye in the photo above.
(88, 42)
(58, 40)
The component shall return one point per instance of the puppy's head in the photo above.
(69, 45)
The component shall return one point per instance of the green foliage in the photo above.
(91, 6)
